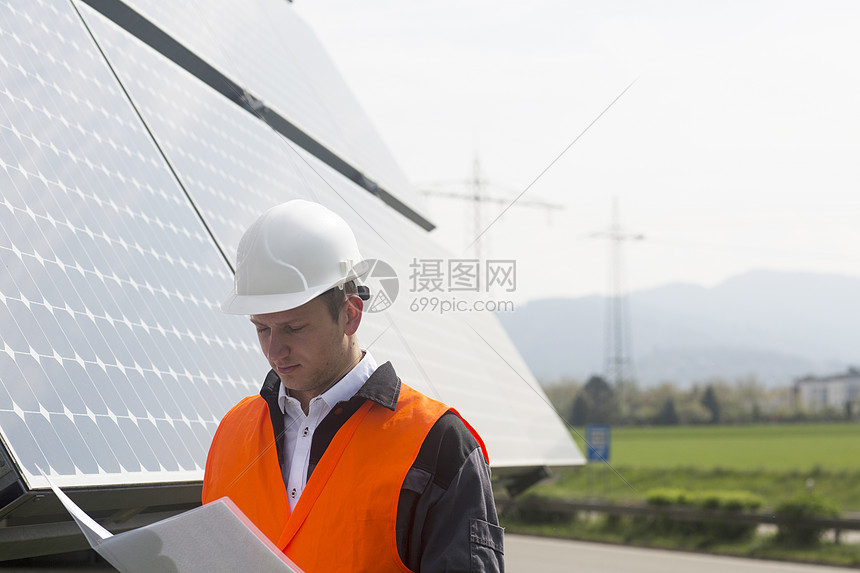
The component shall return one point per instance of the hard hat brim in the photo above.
(268, 303)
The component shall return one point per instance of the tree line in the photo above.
(716, 401)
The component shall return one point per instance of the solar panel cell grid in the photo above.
(109, 276)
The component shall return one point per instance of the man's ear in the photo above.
(353, 308)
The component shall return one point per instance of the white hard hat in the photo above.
(291, 254)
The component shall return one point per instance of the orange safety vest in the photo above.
(345, 519)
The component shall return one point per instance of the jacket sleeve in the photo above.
(446, 518)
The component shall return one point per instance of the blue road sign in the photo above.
(598, 438)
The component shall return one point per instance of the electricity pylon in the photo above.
(476, 185)
(618, 352)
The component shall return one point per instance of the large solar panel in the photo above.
(446, 356)
(126, 184)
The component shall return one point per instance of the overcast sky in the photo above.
(737, 147)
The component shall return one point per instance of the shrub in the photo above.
(796, 529)
(730, 501)
(665, 496)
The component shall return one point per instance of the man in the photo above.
(337, 462)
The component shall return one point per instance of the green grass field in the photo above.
(774, 461)
(801, 447)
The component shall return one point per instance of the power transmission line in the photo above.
(476, 186)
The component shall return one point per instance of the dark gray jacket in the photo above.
(446, 515)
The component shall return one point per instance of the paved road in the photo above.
(539, 555)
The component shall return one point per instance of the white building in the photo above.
(829, 391)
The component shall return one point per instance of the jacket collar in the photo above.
(383, 387)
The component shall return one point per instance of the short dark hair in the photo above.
(336, 296)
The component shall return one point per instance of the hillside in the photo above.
(769, 324)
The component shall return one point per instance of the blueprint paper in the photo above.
(212, 538)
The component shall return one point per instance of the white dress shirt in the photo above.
(299, 429)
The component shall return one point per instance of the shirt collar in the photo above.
(343, 389)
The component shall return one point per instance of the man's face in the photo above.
(306, 347)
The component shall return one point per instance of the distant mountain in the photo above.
(774, 325)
